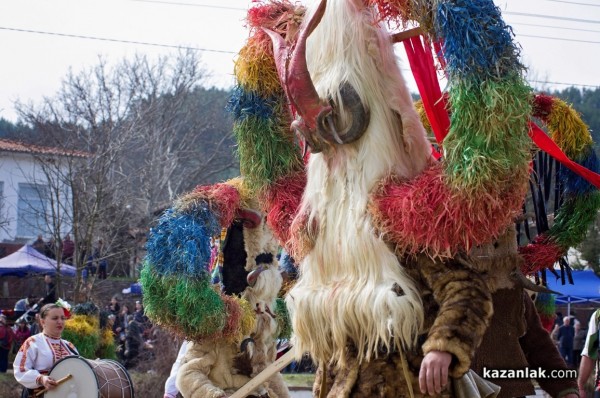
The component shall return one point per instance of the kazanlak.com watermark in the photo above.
(529, 373)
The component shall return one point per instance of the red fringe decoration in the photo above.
(542, 253)
(424, 215)
(234, 315)
(280, 16)
(223, 199)
(547, 321)
(281, 204)
(542, 106)
(394, 10)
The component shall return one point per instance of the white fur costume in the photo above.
(214, 368)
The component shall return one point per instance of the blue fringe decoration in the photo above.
(243, 104)
(180, 243)
(575, 184)
(477, 42)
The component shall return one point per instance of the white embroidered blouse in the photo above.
(37, 356)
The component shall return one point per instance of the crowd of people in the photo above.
(132, 331)
(96, 263)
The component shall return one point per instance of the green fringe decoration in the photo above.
(199, 308)
(265, 150)
(86, 344)
(107, 352)
(283, 319)
(545, 304)
(487, 142)
(155, 290)
(106, 348)
(573, 219)
(185, 305)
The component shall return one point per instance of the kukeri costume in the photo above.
(381, 231)
(231, 329)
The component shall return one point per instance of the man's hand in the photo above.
(433, 376)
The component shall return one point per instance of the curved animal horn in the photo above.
(300, 88)
(253, 276)
(360, 118)
(522, 281)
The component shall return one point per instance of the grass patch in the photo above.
(9, 388)
(299, 379)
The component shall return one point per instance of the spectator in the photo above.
(24, 305)
(50, 297)
(90, 266)
(68, 249)
(100, 257)
(50, 249)
(134, 342)
(559, 319)
(39, 244)
(119, 330)
(114, 306)
(35, 326)
(578, 342)
(565, 336)
(22, 332)
(85, 276)
(6, 340)
(589, 354)
(141, 318)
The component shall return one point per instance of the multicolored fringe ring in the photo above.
(478, 190)
(545, 304)
(262, 118)
(175, 277)
(581, 199)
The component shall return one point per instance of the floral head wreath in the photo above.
(65, 306)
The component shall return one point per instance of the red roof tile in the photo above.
(15, 146)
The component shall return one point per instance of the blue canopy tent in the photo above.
(27, 260)
(585, 289)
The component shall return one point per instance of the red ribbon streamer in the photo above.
(420, 58)
(545, 143)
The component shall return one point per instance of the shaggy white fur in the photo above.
(344, 293)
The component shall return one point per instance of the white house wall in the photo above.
(17, 168)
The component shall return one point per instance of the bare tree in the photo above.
(142, 141)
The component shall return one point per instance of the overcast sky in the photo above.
(41, 39)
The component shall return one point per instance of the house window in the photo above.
(31, 210)
(2, 209)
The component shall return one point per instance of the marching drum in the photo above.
(101, 378)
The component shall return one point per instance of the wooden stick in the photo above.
(58, 383)
(407, 34)
(263, 376)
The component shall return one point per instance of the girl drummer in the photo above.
(41, 351)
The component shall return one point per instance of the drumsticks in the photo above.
(58, 383)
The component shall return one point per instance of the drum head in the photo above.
(82, 384)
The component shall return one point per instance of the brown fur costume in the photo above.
(458, 305)
(215, 368)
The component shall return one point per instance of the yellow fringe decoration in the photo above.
(247, 321)
(255, 67)
(423, 116)
(567, 129)
(247, 198)
(107, 338)
(82, 324)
